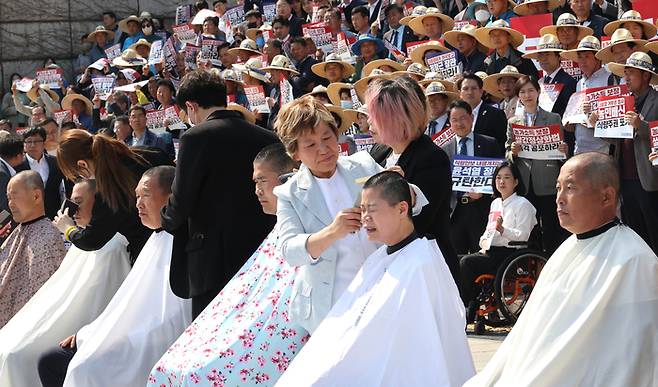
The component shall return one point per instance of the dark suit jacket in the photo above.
(153, 140)
(569, 88)
(52, 198)
(597, 22)
(492, 122)
(407, 37)
(5, 176)
(213, 213)
(375, 13)
(347, 10)
(307, 79)
(296, 26)
(427, 166)
(524, 65)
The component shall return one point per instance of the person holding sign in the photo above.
(511, 219)
(101, 40)
(471, 52)
(504, 41)
(538, 175)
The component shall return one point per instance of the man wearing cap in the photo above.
(306, 80)
(333, 69)
(130, 26)
(568, 31)
(438, 99)
(368, 49)
(471, 53)
(583, 11)
(504, 40)
(622, 45)
(398, 35)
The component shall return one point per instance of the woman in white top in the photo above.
(511, 219)
(317, 210)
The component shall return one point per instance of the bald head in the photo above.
(599, 169)
(163, 176)
(29, 180)
(25, 196)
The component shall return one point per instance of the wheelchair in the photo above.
(503, 296)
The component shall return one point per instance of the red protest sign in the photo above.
(443, 137)
(539, 142)
(611, 111)
(549, 94)
(50, 77)
(411, 46)
(646, 8)
(530, 25)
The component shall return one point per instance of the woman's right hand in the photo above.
(347, 221)
(516, 148)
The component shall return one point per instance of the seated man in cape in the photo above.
(142, 319)
(73, 297)
(591, 319)
(401, 321)
(33, 250)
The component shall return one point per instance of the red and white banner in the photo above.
(653, 134)
(321, 35)
(549, 94)
(61, 116)
(539, 142)
(155, 121)
(495, 212)
(443, 137)
(574, 112)
(342, 48)
(611, 123)
(172, 118)
(571, 68)
(445, 64)
(256, 97)
(411, 46)
(185, 34)
(50, 77)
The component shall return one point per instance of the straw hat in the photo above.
(247, 45)
(637, 60)
(631, 16)
(356, 46)
(433, 76)
(589, 43)
(345, 119)
(547, 43)
(319, 89)
(140, 42)
(281, 62)
(246, 114)
(438, 88)
(468, 30)
(123, 24)
(252, 33)
(319, 68)
(333, 91)
(418, 55)
(100, 30)
(129, 58)
(481, 74)
(524, 10)
(413, 69)
(567, 20)
(621, 36)
(231, 76)
(416, 23)
(254, 68)
(379, 63)
(130, 75)
(482, 34)
(491, 81)
(67, 102)
(362, 84)
(418, 10)
(33, 95)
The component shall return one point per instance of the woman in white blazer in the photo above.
(318, 210)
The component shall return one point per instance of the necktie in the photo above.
(394, 38)
(547, 80)
(432, 128)
(462, 146)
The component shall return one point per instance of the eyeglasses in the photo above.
(32, 142)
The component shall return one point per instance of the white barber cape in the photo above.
(141, 321)
(400, 323)
(73, 296)
(592, 319)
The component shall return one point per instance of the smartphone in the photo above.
(5, 217)
(73, 208)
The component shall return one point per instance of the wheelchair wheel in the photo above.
(515, 280)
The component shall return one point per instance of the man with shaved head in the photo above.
(591, 318)
(34, 249)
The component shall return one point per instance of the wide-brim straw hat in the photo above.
(319, 68)
(451, 37)
(356, 46)
(247, 45)
(418, 54)
(333, 91)
(33, 95)
(246, 114)
(100, 30)
(252, 33)
(202, 15)
(416, 23)
(482, 34)
(413, 69)
(254, 68)
(637, 60)
(620, 36)
(439, 88)
(129, 58)
(362, 84)
(281, 62)
(230, 75)
(140, 42)
(652, 46)
(67, 102)
(631, 16)
(523, 9)
(317, 90)
(123, 24)
(418, 10)
(547, 43)
(589, 43)
(567, 20)
(345, 119)
(491, 81)
(433, 76)
(379, 63)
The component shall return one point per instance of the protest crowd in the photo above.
(328, 193)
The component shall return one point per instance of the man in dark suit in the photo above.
(347, 10)
(284, 9)
(489, 121)
(374, 6)
(11, 160)
(213, 214)
(583, 11)
(307, 79)
(142, 136)
(470, 210)
(397, 34)
(37, 160)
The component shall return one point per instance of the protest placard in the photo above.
(363, 142)
(235, 15)
(549, 94)
(648, 10)
(445, 64)
(172, 118)
(24, 84)
(170, 55)
(571, 68)
(256, 97)
(191, 51)
(210, 51)
(155, 121)
(50, 77)
(185, 34)
(653, 133)
(441, 138)
(459, 24)
(183, 14)
(495, 212)
(473, 174)
(539, 142)
(574, 112)
(320, 33)
(399, 55)
(411, 46)
(61, 116)
(342, 48)
(343, 149)
(286, 91)
(611, 111)
(356, 102)
(113, 52)
(156, 54)
(269, 11)
(103, 86)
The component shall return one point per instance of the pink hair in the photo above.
(397, 109)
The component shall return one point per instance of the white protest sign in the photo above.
(156, 55)
(445, 64)
(495, 212)
(539, 142)
(113, 52)
(103, 86)
(286, 91)
(611, 123)
(256, 97)
(50, 77)
(155, 121)
(185, 34)
(549, 94)
(473, 174)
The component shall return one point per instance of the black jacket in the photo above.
(52, 199)
(427, 166)
(492, 122)
(307, 79)
(567, 90)
(494, 63)
(213, 212)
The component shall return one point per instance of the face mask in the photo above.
(482, 15)
(148, 30)
(346, 104)
(260, 42)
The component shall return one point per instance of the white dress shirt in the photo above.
(40, 166)
(585, 140)
(400, 35)
(470, 144)
(518, 221)
(475, 112)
